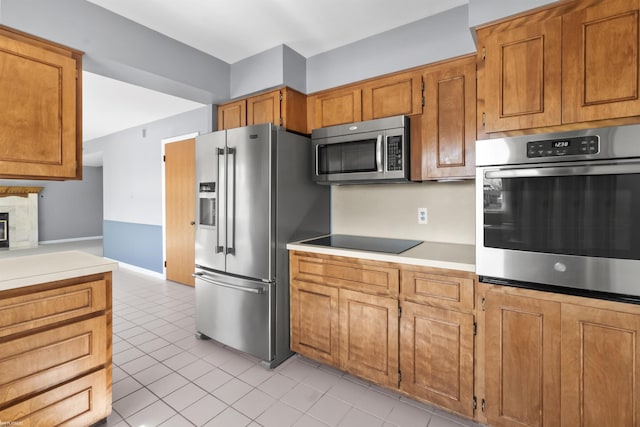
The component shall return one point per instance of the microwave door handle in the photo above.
(379, 153)
(601, 169)
(219, 248)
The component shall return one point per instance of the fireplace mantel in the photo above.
(6, 191)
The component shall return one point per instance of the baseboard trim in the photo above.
(75, 239)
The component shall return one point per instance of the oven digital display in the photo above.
(564, 147)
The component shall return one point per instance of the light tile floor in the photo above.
(164, 376)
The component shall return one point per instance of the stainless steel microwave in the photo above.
(362, 153)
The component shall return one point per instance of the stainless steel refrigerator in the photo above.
(254, 195)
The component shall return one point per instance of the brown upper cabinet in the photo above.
(563, 66)
(41, 124)
(600, 74)
(336, 107)
(443, 142)
(392, 95)
(284, 107)
(232, 115)
(522, 76)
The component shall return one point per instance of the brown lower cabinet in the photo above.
(406, 328)
(554, 359)
(538, 359)
(55, 352)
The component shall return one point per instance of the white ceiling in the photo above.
(232, 30)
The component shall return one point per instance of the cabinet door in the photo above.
(601, 76)
(449, 120)
(436, 356)
(40, 124)
(392, 96)
(522, 76)
(264, 108)
(522, 367)
(232, 115)
(600, 367)
(314, 322)
(337, 107)
(369, 337)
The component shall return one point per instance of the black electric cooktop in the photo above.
(364, 243)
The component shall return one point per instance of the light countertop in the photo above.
(428, 254)
(16, 272)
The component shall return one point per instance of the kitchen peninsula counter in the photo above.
(20, 271)
(427, 254)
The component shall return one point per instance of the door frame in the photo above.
(164, 142)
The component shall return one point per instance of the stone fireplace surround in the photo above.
(21, 203)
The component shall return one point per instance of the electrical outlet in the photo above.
(422, 216)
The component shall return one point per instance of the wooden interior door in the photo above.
(180, 187)
(600, 367)
(522, 368)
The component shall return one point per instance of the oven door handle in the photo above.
(599, 169)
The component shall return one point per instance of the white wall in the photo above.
(391, 210)
(132, 164)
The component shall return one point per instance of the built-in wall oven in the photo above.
(561, 211)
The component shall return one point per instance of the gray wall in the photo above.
(68, 209)
(133, 190)
(121, 49)
(485, 11)
(428, 40)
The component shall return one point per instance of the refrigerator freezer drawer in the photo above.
(235, 312)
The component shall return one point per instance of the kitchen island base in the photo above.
(56, 342)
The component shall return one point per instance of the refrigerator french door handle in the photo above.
(202, 277)
(231, 204)
(218, 248)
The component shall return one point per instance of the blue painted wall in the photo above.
(134, 244)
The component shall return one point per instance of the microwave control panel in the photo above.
(564, 147)
(394, 153)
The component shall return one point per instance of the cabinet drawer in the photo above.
(40, 360)
(359, 276)
(79, 403)
(441, 290)
(36, 309)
